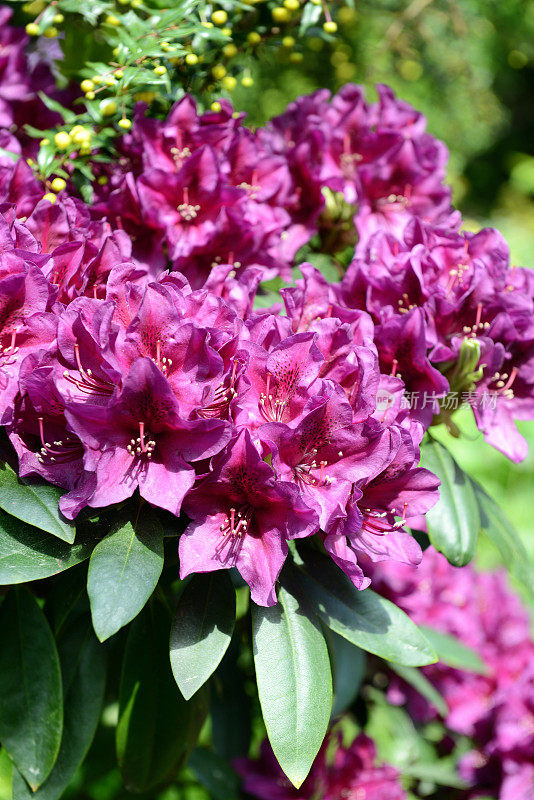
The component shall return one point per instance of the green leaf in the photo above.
(202, 629)
(437, 772)
(27, 554)
(496, 525)
(454, 522)
(215, 774)
(294, 681)
(454, 653)
(363, 617)
(421, 684)
(83, 670)
(123, 572)
(348, 668)
(157, 728)
(36, 504)
(31, 711)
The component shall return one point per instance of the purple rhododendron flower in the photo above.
(337, 773)
(495, 709)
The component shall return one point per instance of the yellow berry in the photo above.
(230, 50)
(288, 41)
(207, 24)
(119, 74)
(50, 32)
(50, 197)
(229, 83)
(87, 85)
(191, 59)
(123, 2)
(296, 58)
(218, 72)
(111, 19)
(98, 79)
(254, 37)
(62, 140)
(90, 95)
(226, 31)
(109, 81)
(44, 142)
(280, 14)
(58, 184)
(215, 106)
(330, 27)
(102, 180)
(219, 17)
(292, 5)
(161, 70)
(115, 51)
(125, 124)
(247, 81)
(136, 3)
(108, 107)
(59, 18)
(32, 29)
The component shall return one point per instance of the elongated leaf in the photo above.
(230, 710)
(31, 711)
(348, 668)
(364, 618)
(500, 530)
(28, 554)
(36, 504)
(123, 572)
(157, 728)
(294, 681)
(421, 684)
(440, 773)
(215, 774)
(83, 671)
(202, 629)
(454, 653)
(454, 522)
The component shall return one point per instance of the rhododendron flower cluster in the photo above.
(133, 357)
(338, 772)
(496, 709)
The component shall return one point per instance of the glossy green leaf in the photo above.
(421, 684)
(454, 522)
(294, 681)
(83, 671)
(28, 554)
(454, 653)
(157, 728)
(31, 711)
(348, 668)
(363, 617)
(202, 629)
(496, 525)
(123, 572)
(36, 504)
(215, 774)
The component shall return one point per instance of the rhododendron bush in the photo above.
(223, 355)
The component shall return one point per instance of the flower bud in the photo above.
(62, 140)
(219, 17)
(58, 184)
